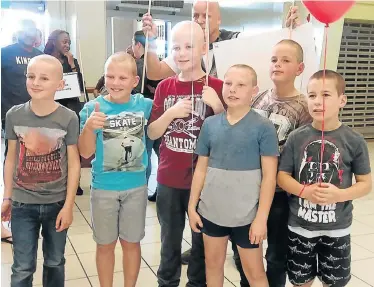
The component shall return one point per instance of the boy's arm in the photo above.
(197, 182)
(87, 138)
(203, 150)
(9, 165)
(65, 216)
(269, 152)
(160, 119)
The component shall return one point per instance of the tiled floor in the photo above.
(80, 251)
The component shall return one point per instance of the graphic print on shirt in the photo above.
(181, 135)
(39, 156)
(123, 142)
(310, 173)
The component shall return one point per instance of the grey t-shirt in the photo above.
(40, 175)
(345, 154)
(232, 184)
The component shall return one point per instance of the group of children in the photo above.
(218, 164)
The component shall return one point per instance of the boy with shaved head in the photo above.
(287, 108)
(41, 174)
(179, 110)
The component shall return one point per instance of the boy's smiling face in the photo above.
(120, 79)
(188, 45)
(317, 93)
(44, 77)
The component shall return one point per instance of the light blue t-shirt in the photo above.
(121, 157)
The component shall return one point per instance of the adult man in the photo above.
(14, 60)
(162, 69)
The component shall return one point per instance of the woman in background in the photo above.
(58, 45)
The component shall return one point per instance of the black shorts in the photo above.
(329, 258)
(240, 235)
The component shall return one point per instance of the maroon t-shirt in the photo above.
(177, 158)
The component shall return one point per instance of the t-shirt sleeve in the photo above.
(72, 130)
(361, 160)
(158, 104)
(9, 127)
(203, 142)
(286, 162)
(269, 141)
(170, 62)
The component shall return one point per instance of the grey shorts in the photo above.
(118, 214)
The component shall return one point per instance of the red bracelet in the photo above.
(302, 190)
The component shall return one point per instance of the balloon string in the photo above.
(207, 42)
(145, 50)
(323, 106)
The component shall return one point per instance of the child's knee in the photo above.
(129, 245)
(106, 248)
(256, 276)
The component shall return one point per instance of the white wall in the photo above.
(123, 32)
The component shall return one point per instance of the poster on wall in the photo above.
(256, 51)
(71, 89)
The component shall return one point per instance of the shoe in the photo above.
(79, 191)
(7, 239)
(186, 257)
(152, 197)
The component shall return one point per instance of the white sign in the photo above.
(71, 89)
(256, 51)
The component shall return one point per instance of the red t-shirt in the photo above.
(177, 158)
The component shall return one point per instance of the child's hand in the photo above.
(97, 119)
(181, 109)
(6, 210)
(64, 219)
(149, 26)
(309, 193)
(258, 231)
(195, 221)
(210, 97)
(328, 193)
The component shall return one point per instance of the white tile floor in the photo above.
(80, 251)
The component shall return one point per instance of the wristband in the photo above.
(7, 198)
(302, 190)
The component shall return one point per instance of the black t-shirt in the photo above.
(14, 60)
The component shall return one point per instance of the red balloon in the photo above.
(328, 11)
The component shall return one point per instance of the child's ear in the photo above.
(136, 81)
(342, 101)
(301, 68)
(61, 85)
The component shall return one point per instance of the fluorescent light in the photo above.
(145, 7)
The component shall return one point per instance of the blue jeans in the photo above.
(26, 221)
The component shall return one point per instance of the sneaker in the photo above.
(79, 191)
(152, 197)
(186, 257)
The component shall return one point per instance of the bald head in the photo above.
(47, 64)
(185, 31)
(199, 15)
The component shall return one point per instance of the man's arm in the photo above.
(156, 69)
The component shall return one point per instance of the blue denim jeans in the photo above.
(26, 221)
